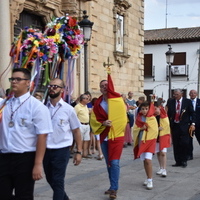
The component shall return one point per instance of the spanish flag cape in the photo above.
(147, 140)
(117, 114)
(164, 134)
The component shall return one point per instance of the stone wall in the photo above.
(127, 68)
(128, 75)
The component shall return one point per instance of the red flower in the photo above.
(72, 21)
(77, 32)
(51, 32)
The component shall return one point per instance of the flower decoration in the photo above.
(66, 34)
(47, 51)
(45, 48)
(31, 45)
(182, 112)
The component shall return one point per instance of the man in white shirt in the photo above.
(24, 126)
(65, 126)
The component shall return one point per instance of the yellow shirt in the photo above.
(82, 112)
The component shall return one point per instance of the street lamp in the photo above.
(86, 25)
(170, 59)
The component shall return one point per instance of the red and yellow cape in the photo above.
(117, 114)
(147, 142)
(164, 134)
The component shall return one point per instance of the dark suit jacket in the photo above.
(187, 114)
(197, 112)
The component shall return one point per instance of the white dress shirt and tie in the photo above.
(182, 118)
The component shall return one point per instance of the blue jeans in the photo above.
(55, 164)
(131, 119)
(113, 168)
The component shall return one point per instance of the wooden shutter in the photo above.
(148, 60)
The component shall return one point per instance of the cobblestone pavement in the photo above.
(89, 180)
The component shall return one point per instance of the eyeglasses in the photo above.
(54, 87)
(102, 86)
(17, 79)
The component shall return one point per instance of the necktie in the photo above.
(177, 111)
(193, 103)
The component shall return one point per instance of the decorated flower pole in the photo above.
(68, 37)
(45, 53)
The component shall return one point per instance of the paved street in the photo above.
(88, 181)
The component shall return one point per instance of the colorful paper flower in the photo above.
(65, 30)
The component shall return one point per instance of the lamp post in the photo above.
(86, 25)
(170, 59)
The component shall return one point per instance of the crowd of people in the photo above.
(35, 136)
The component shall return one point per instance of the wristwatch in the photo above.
(78, 152)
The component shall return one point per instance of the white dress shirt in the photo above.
(30, 118)
(194, 101)
(64, 120)
(180, 102)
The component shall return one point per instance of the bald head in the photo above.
(193, 94)
(57, 81)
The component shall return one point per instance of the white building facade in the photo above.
(185, 68)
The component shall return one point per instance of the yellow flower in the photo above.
(36, 43)
(31, 38)
(57, 26)
(56, 38)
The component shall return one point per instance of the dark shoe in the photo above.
(89, 156)
(190, 158)
(176, 165)
(109, 191)
(113, 194)
(184, 164)
(125, 145)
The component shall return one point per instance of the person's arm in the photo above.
(132, 107)
(144, 127)
(78, 155)
(193, 116)
(39, 155)
(107, 123)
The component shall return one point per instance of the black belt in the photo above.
(56, 149)
(84, 123)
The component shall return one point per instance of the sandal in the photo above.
(100, 157)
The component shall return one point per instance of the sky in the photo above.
(180, 13)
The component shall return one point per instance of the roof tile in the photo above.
(172, 35)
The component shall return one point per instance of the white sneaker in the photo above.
(164, 173)
(159, 172)
(145, 182)
(149, 185)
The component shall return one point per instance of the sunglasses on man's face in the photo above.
(17, 79)
(54, 87)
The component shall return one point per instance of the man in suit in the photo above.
(196, 105)
(182, 118)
